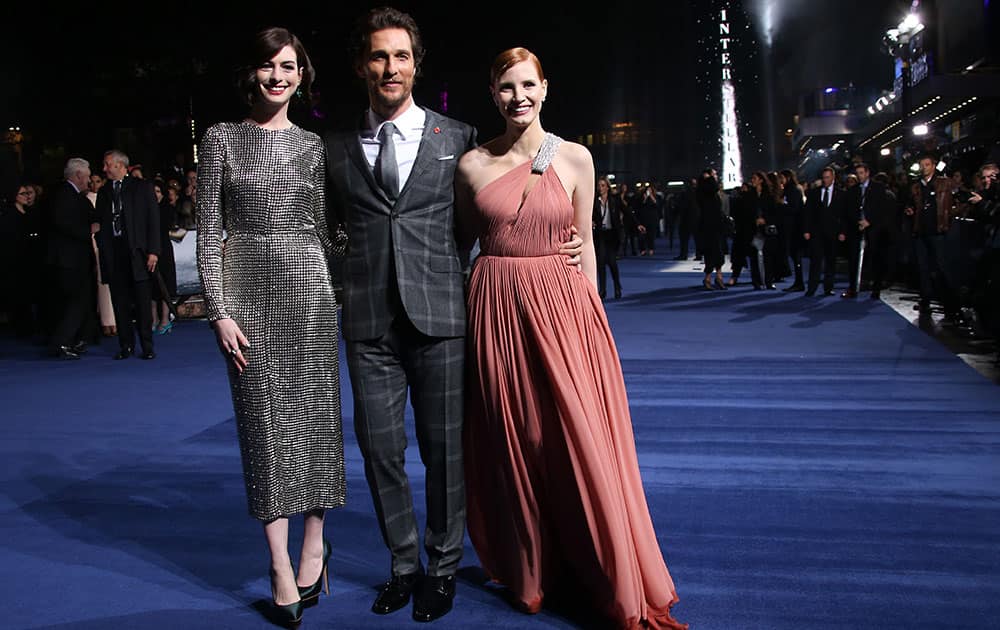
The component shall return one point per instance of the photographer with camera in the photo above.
(982, 206)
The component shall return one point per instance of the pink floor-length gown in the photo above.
(553, 484)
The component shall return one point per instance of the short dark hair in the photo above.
(927, 156)
(831, 169)
(863, 165)
(378, 19)
(262, 48)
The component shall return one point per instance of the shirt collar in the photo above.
(409, 124)
(73, 185)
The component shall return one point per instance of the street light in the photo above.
(897, 43)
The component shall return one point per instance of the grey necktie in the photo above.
(386, 169)
(116, 208)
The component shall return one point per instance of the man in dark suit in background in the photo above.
(129, 247)
(70, 259)
(687, 220)
(867, 217)
(824, 212)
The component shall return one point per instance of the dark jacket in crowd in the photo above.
(826, 221)
(69, 244)
(945, 203)
(141, 229)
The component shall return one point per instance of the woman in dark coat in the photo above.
(650, 208)
(165, 267)
(711, 228)
(793, 203)
(766, 249)
(743, 211)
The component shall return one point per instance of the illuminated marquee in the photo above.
(731, 167)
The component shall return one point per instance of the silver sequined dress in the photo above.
(265, 189)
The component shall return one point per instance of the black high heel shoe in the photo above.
(307, 593)
(720, 284)
(286, 614)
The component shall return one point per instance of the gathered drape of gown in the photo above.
(553, 484)
(265, 191)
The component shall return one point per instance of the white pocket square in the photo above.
(447, 157)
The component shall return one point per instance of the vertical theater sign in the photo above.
(731, 167)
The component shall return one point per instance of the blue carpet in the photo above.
(809, 463)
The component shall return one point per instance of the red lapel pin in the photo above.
(437, 130)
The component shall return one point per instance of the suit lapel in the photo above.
(429, 150)
(352, 147)
(427, 153)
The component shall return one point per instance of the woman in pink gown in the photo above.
(555, 498)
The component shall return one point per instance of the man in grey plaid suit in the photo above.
(391, 187)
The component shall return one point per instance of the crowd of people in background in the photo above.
(933, 232)
(58, 289)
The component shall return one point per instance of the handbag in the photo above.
(730, 223)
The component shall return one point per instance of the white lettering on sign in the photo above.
(731, 166)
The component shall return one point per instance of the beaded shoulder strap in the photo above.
(550, 144)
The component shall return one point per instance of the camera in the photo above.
(771, 230)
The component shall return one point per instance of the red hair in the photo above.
(512, 56)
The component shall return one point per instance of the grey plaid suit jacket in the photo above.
(413, 238)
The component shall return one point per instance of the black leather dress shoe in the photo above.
(849, 294)
(828, 292)
(80, 347)
(876, 295)
(396, 593)
(148, 354)
(434, 597)
(794, 287)
(65, 353)
(124, 353)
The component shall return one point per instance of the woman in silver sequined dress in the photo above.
(263, 255)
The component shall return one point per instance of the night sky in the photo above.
(78, 81)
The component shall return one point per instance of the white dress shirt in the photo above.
(829, 195)
(409, 130)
